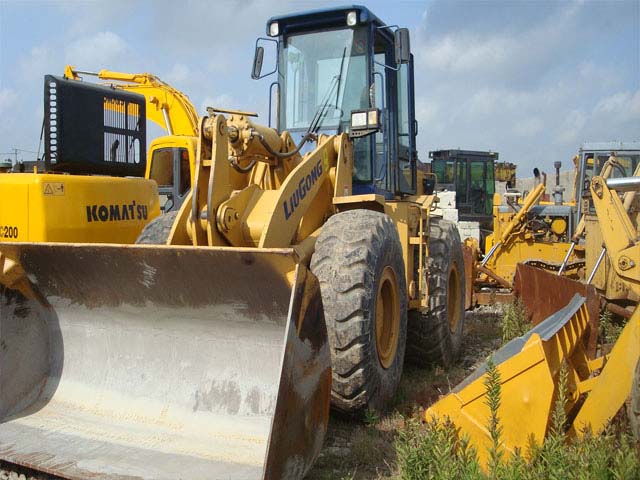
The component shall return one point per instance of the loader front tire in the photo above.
(435, 335)
(358, 261)
(156, 232)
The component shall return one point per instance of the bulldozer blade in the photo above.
(159, 362)
(543, 293)
(528, 368)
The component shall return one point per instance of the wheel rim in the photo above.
(387, 317)
(453, 299)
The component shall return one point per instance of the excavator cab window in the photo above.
(170, 169)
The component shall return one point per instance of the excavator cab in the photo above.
(336, 64)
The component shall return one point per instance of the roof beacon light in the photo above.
(274, 29)
(352, 18)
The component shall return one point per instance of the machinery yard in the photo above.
(302, 294)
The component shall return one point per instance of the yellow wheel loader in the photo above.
(597, 382)
(300, 268)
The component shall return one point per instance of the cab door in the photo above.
(406, 155)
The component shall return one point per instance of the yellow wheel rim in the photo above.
(387, 317)
(453, 299)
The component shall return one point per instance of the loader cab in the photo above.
(334, 63)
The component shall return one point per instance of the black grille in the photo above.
(92, 129)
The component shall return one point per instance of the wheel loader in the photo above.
(299, 272)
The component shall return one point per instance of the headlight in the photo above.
(358, 119)
(274, 29)
(352, 18)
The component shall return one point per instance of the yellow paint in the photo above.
(41, 208)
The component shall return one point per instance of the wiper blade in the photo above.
(321, 113)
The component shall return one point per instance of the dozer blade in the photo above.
(162, 363)
(529, 368)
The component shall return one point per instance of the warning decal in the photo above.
(53, 188)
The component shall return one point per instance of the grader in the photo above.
(299, 270)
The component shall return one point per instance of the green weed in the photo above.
(514, 320)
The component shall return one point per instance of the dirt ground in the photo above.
(364, 449)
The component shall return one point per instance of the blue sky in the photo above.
(531, 80)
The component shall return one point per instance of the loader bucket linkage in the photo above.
(162, 362)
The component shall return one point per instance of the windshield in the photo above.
(323, 68)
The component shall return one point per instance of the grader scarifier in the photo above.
(300, 267)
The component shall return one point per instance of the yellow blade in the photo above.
(162, 362)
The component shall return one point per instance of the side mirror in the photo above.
(402, 47)
(429, 184)
(257, 62)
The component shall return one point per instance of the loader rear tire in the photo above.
(358, 261)
(435, 335)
(634, 405)
(156, 232)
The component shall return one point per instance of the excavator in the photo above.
(301, 269)
(94, 136)
(566, 312)
(171, 157)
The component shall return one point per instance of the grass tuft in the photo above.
(514, 320)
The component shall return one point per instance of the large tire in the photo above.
(436, 335)
(157, 231)
(358, 261)
(634, 405)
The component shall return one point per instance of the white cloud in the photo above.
(623, 106)
(571, 127)
(528, 127)
(101, 50)
(8, 101)
(220, 101)
(179, 73)
(466, 53)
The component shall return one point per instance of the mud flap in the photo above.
(162, 362)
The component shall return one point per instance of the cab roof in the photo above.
(322, 18)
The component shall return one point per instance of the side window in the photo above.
(404, 131)
(461, 183)
(588, 172)
(490, 189)
(185, 172)
(162, 167)
(478, 186)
